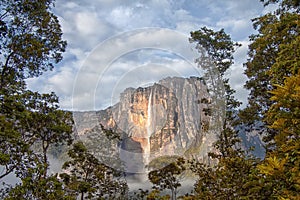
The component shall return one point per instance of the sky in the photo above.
(115, 44)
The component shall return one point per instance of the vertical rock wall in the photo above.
(166, 118)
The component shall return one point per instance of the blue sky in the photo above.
(114, 44)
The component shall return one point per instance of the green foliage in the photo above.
(31, 39)
(31, 43)
(273, 69)
(274, 84)
(36, 120)
(227, 180)
(284, 4)
(280, 170)
(87, 178)
(140, 194)
(155, 195)
(167, 177)
(47, 125)
(284, 114)
(31, 188)
(219, 47)
(162, 161)
(273, 55)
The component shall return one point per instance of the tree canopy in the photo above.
(31, 43)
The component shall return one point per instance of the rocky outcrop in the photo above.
(166, 118)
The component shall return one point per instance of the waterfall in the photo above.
(149, 121)
(149, 129)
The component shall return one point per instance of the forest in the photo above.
(32, 123)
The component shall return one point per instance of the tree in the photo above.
(284, 4)
(47, 125)
(273, 71)
(87, 178)
(31, 43)
(167, 177)
(155, 195)
(34, 188)
(31, 40)
(278, 175)
(39, 124)
(225, 180)
(281, 169)
(218, 49)
(276, 31)
(283, 115)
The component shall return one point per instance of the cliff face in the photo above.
(166, 118)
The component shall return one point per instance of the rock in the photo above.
(169, 118)
(166, 118)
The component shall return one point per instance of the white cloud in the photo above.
(90, 27)
(62, 82)
(87, 23)
(121, 16)
(236, 74)
(239, 28)
(187, 27)
(121, 58)
(136, 74)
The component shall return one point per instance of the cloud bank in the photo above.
(114, 44)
